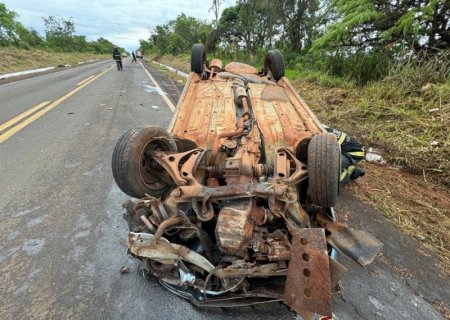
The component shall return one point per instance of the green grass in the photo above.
(319, 78)
(14, 59)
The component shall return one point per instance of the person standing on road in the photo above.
(352, 152)
(134, 57)
(118, 58)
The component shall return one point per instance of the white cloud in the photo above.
(122, 22)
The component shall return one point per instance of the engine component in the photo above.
(234, 227)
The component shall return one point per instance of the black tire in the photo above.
(132, 166)
(274, 62)
(198, 58)
(324, 169)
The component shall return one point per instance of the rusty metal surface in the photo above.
(206, 110)
(281, 121)
(238, 68)
(359, 245)
(234, 227)
(307, 115)
(308, 286)
(206, 114)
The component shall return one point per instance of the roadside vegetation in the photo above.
(377, 70)
(14, 59)
(23, 48)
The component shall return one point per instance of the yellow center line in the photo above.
(8, 134)
(87, 79)
(22, 115)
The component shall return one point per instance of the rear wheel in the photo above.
(134, 170)
(198, 58)
(274, 62)
(323, 169)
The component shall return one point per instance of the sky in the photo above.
(122, 22)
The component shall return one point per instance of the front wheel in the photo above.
(134, 170)
(324, 169)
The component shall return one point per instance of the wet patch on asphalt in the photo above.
(170, 87)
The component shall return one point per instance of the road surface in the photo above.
(62, 238)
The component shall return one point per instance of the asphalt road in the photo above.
(62, 238)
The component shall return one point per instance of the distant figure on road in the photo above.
(134, 57)
(352, 152)
(118, 58)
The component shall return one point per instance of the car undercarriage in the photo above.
(236, 198)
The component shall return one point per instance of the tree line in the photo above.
(59, 35)
(359, 39)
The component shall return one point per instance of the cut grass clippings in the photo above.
(14, 59)
(419, 209)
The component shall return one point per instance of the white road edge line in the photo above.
(162, 94)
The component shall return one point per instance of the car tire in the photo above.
(274, 62)
(324, 169)
(132, 166)
(198, 58)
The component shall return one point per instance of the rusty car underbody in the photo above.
(237, 196)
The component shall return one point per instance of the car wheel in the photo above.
(324, 169)
(198, 58)
(134, 170)
(274, 62)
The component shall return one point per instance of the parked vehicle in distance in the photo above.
(139, 53)
(237, 196)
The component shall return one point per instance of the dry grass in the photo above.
(417, 208)
(413, 129)
(14, 59)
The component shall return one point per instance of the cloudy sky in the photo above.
(123, 22)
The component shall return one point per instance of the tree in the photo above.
(250, 24)
(59, 33)
(178, 35)
(299, 19)
(102, 45)
(28, 37)
(378, 24)
(215, 8)
(7, 25)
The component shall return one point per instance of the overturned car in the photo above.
(236, 198)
